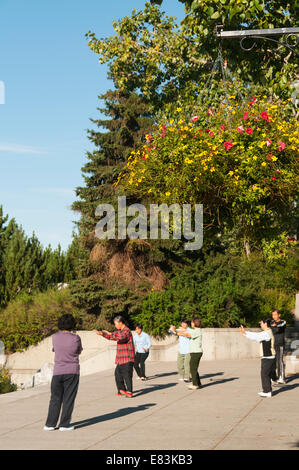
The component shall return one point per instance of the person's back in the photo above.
(67, 347)
(65, 381)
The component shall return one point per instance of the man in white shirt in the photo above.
(266, 338)
(142, 343)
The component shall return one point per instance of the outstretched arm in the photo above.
(180, 332)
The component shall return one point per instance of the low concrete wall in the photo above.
(99, 354)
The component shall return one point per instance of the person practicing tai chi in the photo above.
(65, 381)
(278, 329)
(142, 343)
(125, 356)
(183, 357)
(266, 338)
(196, 352)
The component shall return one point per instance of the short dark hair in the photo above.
(267, 320)
(185, 321)
(139, 326)
(66, 322)
(197, 322)
(119, 319)
(277, 311)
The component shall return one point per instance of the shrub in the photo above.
(5, 383)
(29, 319)
(225, 291)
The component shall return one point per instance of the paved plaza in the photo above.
(226, 413)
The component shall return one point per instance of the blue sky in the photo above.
(51, 81)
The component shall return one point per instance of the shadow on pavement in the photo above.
(113, 415)
(284, 388)
(216, 382)
(291, 378)
(206, 376)
(153, 388)
(167, 374)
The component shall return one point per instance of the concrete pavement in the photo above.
(226, 413)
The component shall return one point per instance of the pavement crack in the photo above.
(237, 424)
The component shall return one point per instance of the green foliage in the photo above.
(225, 291)
(5, 383)
(25, 266)
(30, 318)
(239, 161)
(127, 123)
(169, 63)
(102, 301)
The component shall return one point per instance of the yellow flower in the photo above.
(264, 164)
(167, 194)
(179, 110)
(212, 169)
(230, 173)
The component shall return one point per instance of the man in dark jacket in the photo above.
(278, 329)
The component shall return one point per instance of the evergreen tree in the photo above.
(129, 121)
(25, 266)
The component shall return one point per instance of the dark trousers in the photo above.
(124, 376)
(279, 350)
(139, 365)
(267, 373)
(194, 363)
(63, 393)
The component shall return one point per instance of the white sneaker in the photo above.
(47, 428)
(193, 387)
(71, 428)
(181, 379)
(265, 395)
(281, 381)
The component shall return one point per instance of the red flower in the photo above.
(268, 142)
(245, 116)
(265, 116)
(228, 145)
(273, 178)
(240, 129)
(149, 138)
(194, 118)
(281, 146)
(222, 127)
(252, 101)
(249, 131)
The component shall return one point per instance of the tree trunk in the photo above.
(247, 248)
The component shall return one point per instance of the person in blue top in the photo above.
(142, 343)
(183, 357)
